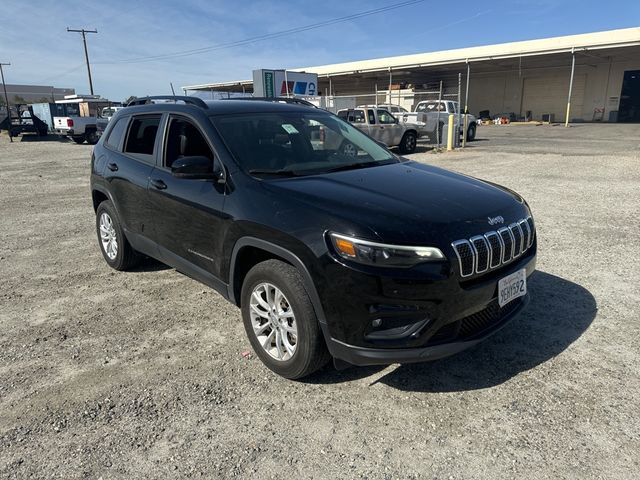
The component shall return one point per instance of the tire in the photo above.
(297, 327)
(471, 132)
(78, 140)
(108, 227)
(92, 137)
(348, 149)
(408, 143)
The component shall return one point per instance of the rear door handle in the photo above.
(113, 167)
(159, 184)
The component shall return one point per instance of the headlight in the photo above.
(379, 254)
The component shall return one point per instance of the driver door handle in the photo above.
(159, 184)
(113, 167)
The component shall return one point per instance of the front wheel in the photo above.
(408, 143)
(280, 320)
(471, 133)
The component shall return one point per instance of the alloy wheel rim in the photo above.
(409, 143)
(349, 150)
(273, 321)
(108, 236)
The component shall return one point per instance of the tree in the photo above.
(19, 99)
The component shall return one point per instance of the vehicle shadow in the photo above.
(150, 265)
(559, 312)
(30, 137)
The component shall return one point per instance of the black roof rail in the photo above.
(293, 100)
(198, 102)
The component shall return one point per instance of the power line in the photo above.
(269, 36)
(86, 53)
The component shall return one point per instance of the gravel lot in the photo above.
(141, 374)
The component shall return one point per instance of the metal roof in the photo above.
(625, 37)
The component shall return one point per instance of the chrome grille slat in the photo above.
(517, 239)
(482, 253)
(508, 241)
(495, 248)
(527, 233)
(465, 254)
(531, 229)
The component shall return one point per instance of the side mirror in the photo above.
(193, 168)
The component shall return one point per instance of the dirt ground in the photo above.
(142, 374)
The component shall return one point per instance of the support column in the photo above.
(573, 68)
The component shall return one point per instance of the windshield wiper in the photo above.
(279, 173)
(353, 166)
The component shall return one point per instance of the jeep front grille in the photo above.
(494, 249)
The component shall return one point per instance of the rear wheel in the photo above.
(92, 137)
(280, 320)
(79, 139)
(114, 246)
(408, 143)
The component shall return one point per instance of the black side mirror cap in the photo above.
(194, 168)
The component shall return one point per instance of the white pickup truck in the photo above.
(80, 122)
(429, 112)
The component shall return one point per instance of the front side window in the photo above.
(184, 140)
(385, 117)
(297, 143)
(142, 134)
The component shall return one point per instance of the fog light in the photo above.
(376, 322)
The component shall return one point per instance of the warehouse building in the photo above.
(525, 80)
(34, 93)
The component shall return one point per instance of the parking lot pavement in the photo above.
(141, 374)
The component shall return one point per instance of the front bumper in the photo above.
(429, 314)
(379, 356)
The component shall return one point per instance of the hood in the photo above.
(406, 202)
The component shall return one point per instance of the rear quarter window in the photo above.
(114, 140)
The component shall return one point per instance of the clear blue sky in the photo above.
(33, 35)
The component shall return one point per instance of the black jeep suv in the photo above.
(330, 244)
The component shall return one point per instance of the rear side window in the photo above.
(142, 135)
(114, 140)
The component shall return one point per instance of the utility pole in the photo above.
(6, 99)
(86, 53)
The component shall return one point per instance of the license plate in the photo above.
(512, 287)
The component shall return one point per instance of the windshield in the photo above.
(294, 143)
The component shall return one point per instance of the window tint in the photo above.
(372, 117)
(117, 132)
(431, 107)
(142, 135)
(298, 143)
(185, 140)
(385, 117)
(352, 116)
